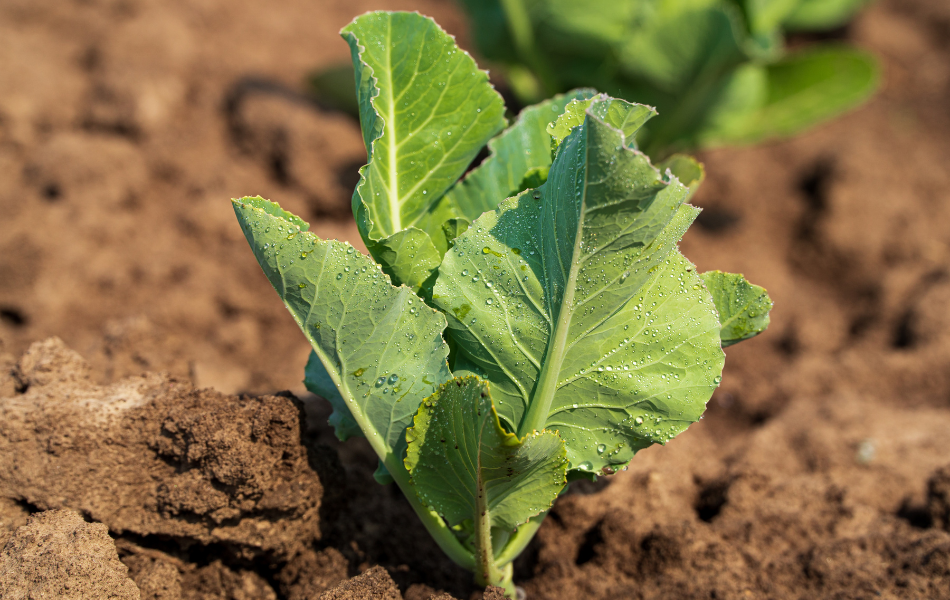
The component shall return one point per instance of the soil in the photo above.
(822, 468)
(58, 555)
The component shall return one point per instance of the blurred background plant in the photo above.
(719, 72)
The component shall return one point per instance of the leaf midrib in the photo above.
(394, 207)
(396, 199)
(541, 401)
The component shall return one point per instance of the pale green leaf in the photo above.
(426, 110)
(766, 16)
(520, 151)
(380, 345)
(408, 256)
(574, 302)
(802, 90)
(620, 114)
(823, 14)
(687, 169)
(743, 307)
(463, 462)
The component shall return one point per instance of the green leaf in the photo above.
(463, 462)
(823, 14)
(766, 16)
(519, 152)
(318, 381)
(680, 61)
(687, 169)
(490, 29)
(426, 110)
(379, 345)
(743, 307)
(620, 114)
(574, 302)
(382, 474)
(802, 90)
(453, 228)
(742, 93)
(681, 43)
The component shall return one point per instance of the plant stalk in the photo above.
(437, 528)
(519, 541)
(487, 572)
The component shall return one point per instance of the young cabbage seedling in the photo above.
(517, 328)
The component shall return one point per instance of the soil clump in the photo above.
(151, 456)
(58, 555)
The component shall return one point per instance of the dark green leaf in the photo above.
(462, 461)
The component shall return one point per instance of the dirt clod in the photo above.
(152, 456)
(374, 584)
(58, 555)
(311, 573)
(938, 498)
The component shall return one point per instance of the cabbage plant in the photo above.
(717, 70)
(518, 325)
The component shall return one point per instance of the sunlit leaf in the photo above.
(743, 307)
(426, 110)
(379, 345)
(574, 302)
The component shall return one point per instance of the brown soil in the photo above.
(58, 555)
(820, 470)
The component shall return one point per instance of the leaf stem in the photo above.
(519, 541)
(487, 572)
(437, 528)
(540, 407)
